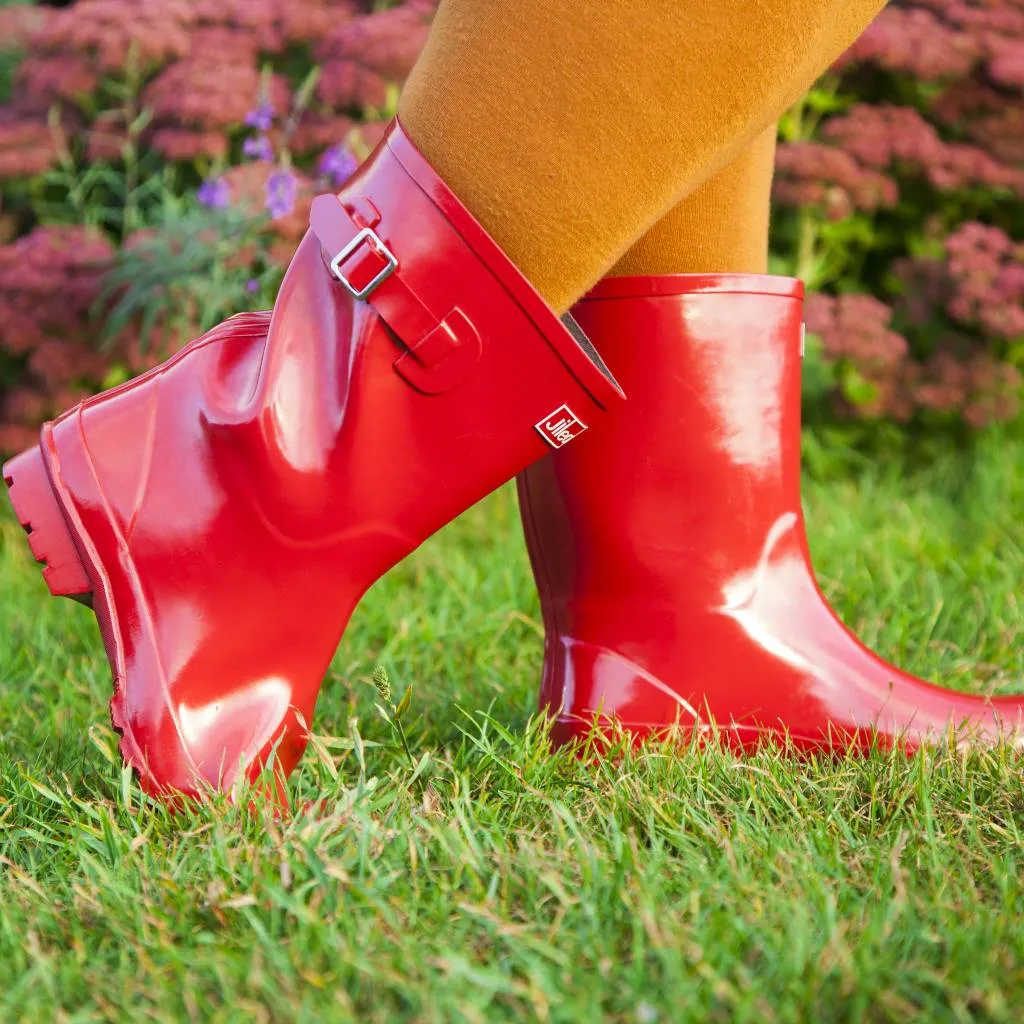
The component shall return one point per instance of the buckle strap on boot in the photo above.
(441, 350)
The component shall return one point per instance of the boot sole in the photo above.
(60, 543)
(49, 537)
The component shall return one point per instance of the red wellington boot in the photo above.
(227, 510)
(669, 547)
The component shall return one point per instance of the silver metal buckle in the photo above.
(371, 236)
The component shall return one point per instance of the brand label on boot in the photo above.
(560, 427)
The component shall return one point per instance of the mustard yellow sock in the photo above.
(569, 128)
(719, 228)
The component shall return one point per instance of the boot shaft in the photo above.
(346, 414)
(701, 466)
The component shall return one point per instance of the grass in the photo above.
(509, 883)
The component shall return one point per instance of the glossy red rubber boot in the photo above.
(227, 510)
(669, 547)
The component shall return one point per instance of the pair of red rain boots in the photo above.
(225, 512)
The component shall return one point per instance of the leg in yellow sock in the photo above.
(721, 228)
(569, 128)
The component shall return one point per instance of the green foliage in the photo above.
(10, 57)
(184, 274)
(118, 195)
(9, 61)
(118, 199)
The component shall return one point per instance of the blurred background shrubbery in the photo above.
(157, 159)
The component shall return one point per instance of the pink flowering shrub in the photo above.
(199, 63)
(193, 134)
(48, 280)
(900, 188)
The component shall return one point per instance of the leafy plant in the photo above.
(190, 269)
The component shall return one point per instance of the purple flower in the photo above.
(258, 148)
(337, 164)
(252, 286)
(262, 118)
(282, 191)
(214, 194)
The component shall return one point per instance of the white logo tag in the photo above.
(560, 427)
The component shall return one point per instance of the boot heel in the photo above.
(37, 510)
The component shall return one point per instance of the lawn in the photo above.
(505, 882)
